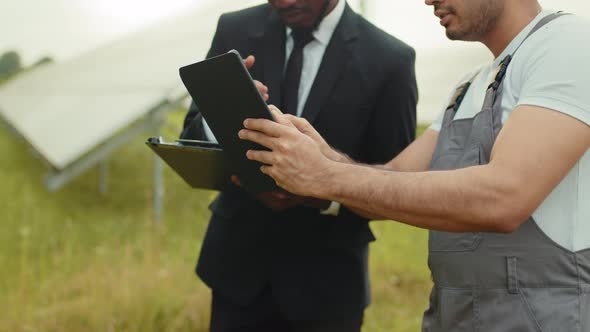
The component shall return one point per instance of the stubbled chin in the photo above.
(452, 34)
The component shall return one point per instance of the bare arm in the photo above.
(526, 164)
(415, 158)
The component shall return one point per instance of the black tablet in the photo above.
(226, 95)
(200, 164)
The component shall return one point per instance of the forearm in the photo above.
(415, 158)
(469, 199)
(344, 158)
(366, 214)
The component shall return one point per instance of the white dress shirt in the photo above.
(313, 54)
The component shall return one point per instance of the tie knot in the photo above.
(302, 37)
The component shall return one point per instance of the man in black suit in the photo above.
(278, 262)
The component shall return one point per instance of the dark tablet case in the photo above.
(226, 95)
(199, 164)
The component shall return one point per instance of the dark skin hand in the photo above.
(263, 89)
(281, 200)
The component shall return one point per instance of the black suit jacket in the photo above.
(363, 102)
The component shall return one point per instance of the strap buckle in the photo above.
(501, 72)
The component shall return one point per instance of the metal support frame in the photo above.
(158, 194)
(56, 179)
(152, 122)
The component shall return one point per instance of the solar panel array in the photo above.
(66, 109)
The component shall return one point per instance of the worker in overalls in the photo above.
(501, 180)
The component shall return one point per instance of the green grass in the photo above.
(76, 260)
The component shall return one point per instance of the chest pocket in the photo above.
(457, 148)
(455, 242)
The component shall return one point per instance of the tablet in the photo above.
(226, 95)
(200, 164)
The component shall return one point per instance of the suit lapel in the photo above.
(335, 58)
(271, 40)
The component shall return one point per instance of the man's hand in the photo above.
(263, 89)
(306, 128)
(276, 200)
(295, 161)
(279, 200)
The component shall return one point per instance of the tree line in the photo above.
(11, 64)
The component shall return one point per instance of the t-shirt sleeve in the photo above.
(557, 74)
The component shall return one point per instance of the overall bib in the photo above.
(517, 282)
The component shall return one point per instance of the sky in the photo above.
(64, 28)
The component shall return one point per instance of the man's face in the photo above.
(299, 13)
(469, 20)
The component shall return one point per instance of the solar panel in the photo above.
(64, 110)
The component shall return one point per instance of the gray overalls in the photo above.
(499, 282)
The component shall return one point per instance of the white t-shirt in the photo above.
(550, 70)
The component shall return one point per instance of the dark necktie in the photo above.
(290, 88)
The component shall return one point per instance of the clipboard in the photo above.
(226, 95)
(200, 164)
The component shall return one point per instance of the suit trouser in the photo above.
(264, 315)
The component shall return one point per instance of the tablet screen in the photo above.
(226, 95)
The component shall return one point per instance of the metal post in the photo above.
(158, 176)
(56, 179)
(158, 190)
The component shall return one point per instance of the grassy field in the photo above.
(77, 260)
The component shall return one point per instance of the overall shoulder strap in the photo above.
(542, 23)
(506, 61)
(503, 67)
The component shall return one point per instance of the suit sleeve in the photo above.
(393, 123)
(193, 122)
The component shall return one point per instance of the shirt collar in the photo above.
(325, 30)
